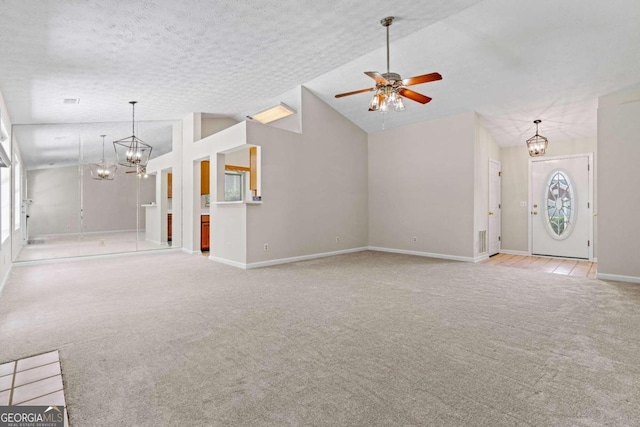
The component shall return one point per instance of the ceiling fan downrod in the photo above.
(386, 22)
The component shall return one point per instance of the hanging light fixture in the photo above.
(537, 144)
(103, 170)
(132, 151)
(391, 89)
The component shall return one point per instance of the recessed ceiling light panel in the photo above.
(274, 113)
(71, 101)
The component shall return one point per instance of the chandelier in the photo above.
(103, 170)
(132, 151)
(537, 144)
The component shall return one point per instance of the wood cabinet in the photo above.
(169, 226)
(169, 186)
(204, 177)
(204, 233)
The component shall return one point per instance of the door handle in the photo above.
(490, 213)
(535, 212)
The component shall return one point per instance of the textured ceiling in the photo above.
(511, 61)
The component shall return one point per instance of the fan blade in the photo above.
(425, 78)
(340, 95)
(415, 96)
(377, 77)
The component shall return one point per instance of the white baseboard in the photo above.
(510, 252)
(228, 262)
(425, 254)
(190, 252)
(481, 258)
(617, 278)
(156, 242)
(304, 257)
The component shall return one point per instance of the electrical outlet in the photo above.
(337, 239)
(523, 204)
(266, 247)
(415, 239)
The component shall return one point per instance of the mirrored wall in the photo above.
(70, 205)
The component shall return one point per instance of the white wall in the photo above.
(56, 201)
(209, 126)
(619, 181)
(195, 148)
(107, 205)
(515, 188)
(421, 184)
(313, 187)
(5, 250)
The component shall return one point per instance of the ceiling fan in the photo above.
(390, 87)
(141, 171)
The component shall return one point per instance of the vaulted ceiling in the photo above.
(511, 61)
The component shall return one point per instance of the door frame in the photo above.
(497, 162)
(530, 198)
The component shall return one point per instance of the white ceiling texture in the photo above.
(510, 61)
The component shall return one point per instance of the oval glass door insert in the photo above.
(561, 205)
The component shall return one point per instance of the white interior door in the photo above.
(561, 207)
(494, 207)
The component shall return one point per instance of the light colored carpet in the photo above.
(361, 339)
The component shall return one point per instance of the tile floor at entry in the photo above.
(569, 267)
(33, 381)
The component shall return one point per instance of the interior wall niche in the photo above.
(65, 210)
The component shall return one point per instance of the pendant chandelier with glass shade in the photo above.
(537, 144)
(103, 170)
(132, 151)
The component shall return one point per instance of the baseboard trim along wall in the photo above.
(617, 278)
(190, 252)
(285, 260)
(303, 257)
(509, 252)
(228, 262)
(424, 254)
(481, 258)
(342, 252)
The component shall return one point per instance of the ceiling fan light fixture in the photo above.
(390, 88)
(374, 105)
(274, 113)
(537, 144)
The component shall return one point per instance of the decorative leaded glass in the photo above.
(560, 204)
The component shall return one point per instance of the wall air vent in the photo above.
(71, 101)
(482, 241)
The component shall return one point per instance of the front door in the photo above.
(561, 207)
